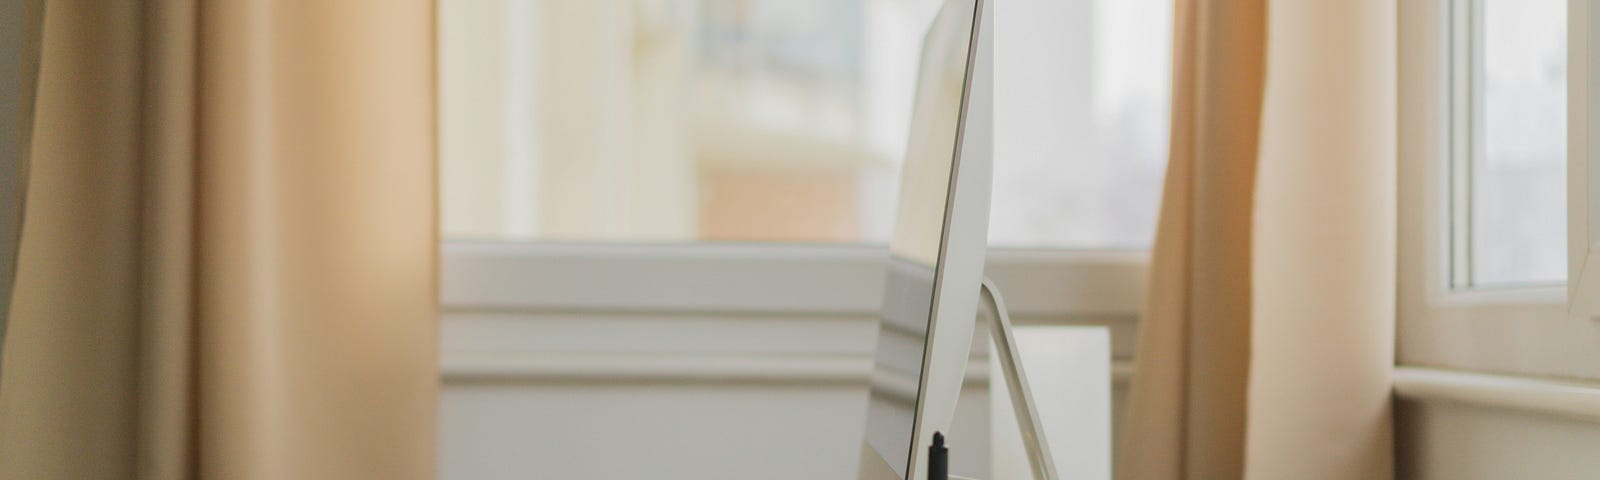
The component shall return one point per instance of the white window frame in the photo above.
(536, 312)
(1518, 331)
(1583, 229)
(1042, 286)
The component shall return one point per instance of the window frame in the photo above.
(1464, 47)
(1513, 330)
(1465, 71)
(1583, 241)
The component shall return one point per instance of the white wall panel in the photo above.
(1457, 441)
(567, 361)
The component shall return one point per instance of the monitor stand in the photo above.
(1022, 403)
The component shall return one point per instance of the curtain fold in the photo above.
(1186, 410)
(229, 259)
(1267, 338)
(1325, 237)
(21, 22)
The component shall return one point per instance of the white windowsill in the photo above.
(1560, 398)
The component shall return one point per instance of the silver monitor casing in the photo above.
(958, 273)
(959, 283)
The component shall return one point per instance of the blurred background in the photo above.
(775, 120)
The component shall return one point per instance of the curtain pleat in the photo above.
(21, 22)
(317, 239)
(1186, 416)
(1325, 235)
(167, 410)
(69, 379)
(1267, 339)
(229, 259)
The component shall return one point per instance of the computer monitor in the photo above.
(936, 256)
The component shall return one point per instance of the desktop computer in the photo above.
(935, 283)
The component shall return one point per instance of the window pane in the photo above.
(1518, 177)
(1081, 121)
(784, 120)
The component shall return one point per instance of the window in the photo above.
(1080, 131)
(1482, 220)
(1508, 186)
(674, 123)
(783, 120)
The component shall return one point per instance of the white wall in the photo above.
(1456, 441)
(695, 362)
(1465, 426)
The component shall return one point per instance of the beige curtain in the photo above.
(1325, 240)
(20, 22)
(228, 261)
(1267, 338)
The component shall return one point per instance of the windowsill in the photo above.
(1561, 398)
(1498, 296)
